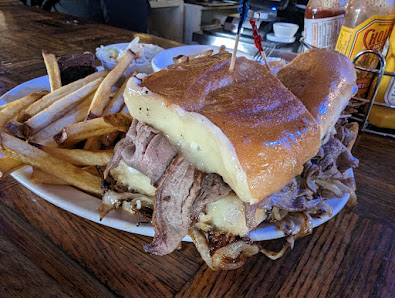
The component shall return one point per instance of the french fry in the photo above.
(59, 108)
(45, 136)
(9, 165)
(118, 120)
(13, 108)
(20, 116)
(79, 157)
(93, 143)
(115, 119)
(200, 55)
(40, 177)
(18, 149)
(115, 106)
(183, 58)
(117, 102)
(93, 170)
(180, 59)
(102, 96)
(16, 102)
(52, 97)
(53, 71)
(15, 128)
(77, 132)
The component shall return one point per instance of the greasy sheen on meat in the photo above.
(182, 190)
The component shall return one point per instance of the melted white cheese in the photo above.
(202, 142)
(133, 179)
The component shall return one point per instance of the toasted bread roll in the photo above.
(324, 80)
(243, 125)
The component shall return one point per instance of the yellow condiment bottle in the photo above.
(382, 116)
(367, 26)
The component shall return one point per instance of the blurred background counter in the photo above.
(189, 21)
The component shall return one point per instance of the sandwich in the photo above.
(213, 153)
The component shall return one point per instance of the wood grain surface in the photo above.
(46, 251)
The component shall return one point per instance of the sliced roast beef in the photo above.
(344, 135)
(335, 161)
(250, 216)
(181, 195)
(303, 193)
(332, 160)
(290, 198)
(144, 149)
(212, 189)
(173, 202)
(182, 190)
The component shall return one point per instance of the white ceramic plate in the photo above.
(165, 58)
(84, 205)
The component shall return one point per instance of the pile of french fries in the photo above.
(67, 133)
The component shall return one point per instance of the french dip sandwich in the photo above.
(212, 153)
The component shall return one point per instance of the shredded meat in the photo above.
(334, 162)
(307, 192)
(344, 135)
(290, 198)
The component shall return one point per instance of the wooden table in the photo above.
(47, 251)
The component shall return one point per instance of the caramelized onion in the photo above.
(200, 241)
(112, 200)
(275, 255)
(137, 203)
(228, 257)
(233, 256)
(331, 186)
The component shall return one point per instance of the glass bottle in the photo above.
(367, 25)
(322, 22)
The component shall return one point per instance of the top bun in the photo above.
(242, 124)
(324, 80)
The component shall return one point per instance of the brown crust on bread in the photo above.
(271, 131)
(324, 80)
